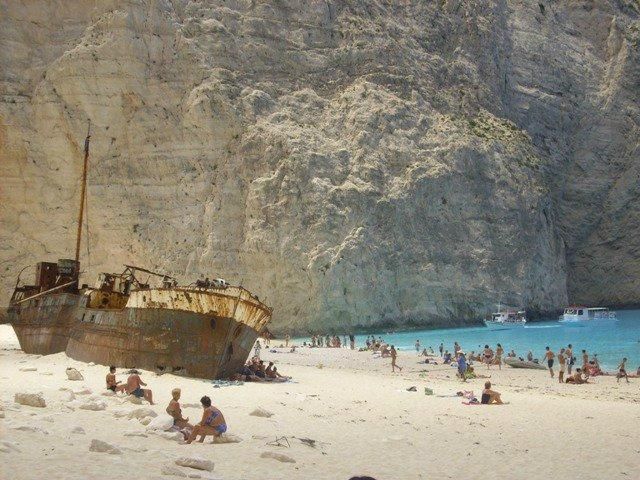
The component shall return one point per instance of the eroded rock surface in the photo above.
(354, 163)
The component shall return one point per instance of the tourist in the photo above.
(489, 396)
(563, 365)
(446, 358)
(530, 356)
(394, 356)
(488, 356)
(548, 356)
(287, 337)
(456, 349)
(577, 378)
(258, 347)
(622, 370)
(571, 360)
(417, 346)
(441, 348)
(499, 353)
(112, 384)
(175, 411)
(511, 354)
(352, 341)
(462, 366)
(212, 422)
(134, 387)
(585, 360)
(273, 374)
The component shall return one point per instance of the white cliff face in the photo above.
(353, 163)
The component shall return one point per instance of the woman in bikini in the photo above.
(488, 356)
(212, 422)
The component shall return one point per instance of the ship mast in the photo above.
(82, 196)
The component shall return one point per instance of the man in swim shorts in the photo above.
(134, 387)
(548, 356)
(571, 360)
(622, 370)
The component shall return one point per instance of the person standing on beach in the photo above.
(548, 355)
(441, 348)
(456, 349)
(352, 341)
(418, 346)
(570, 359)
(287, 337)
(622, 370)
(585, 360)
(257, 349)
(562, 360)
(462, 366)
(394, 356)
(499, 353)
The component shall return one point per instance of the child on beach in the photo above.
(112, 384)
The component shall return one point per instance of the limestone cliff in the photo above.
(355, 163)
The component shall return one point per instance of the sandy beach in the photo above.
(344, 414)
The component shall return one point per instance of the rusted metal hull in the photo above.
(42, 325)
(199, 333)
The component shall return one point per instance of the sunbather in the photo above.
(490, 397)
(175, 411)
(134, 387)
(577, 378)
(212, 422)
(112, 384)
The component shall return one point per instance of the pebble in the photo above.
(103, 447)
(198, 463)
(261, 412)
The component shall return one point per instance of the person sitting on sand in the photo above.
(490, 397)
(212, 422)
(134, 384)
(577, 378)
(530, 356)
(112, 384)
(447, 357)
(175, 411)
(622, 370)
(512, 354)
(275, 376)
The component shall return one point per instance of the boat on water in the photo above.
(204, 329)
(520, 363)
(579, 314)
(506, 319)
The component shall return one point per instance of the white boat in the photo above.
(507, 319)
(578, 314)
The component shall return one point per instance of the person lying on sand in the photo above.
(490, 397)
(112, 384)
(175, 411)
(577, 378)
(212, 422)
(134, 384)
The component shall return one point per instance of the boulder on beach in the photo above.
(83, 391)
(30, 399)
(103, 447)
(73, 374)
(278, 456)
(227, 438)
(261, 412)
(198, 463)
(141, 413)
(95, 406)
(78, 431)
(133, 399)
(162, 422)
(171, 470)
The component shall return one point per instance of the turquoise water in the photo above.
(611, 340)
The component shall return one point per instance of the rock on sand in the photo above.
(103, 447)
(198, 463)
(141, 413)
(30, 399)
(261, 412)
(278, 456)
(171, 470)
(73, 374)
(162, 422)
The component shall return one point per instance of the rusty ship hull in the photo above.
(42, 324)
(204, 333)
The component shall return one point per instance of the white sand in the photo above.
(363, 420)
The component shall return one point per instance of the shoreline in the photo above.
(355, 415)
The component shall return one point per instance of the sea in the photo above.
(610, 339)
